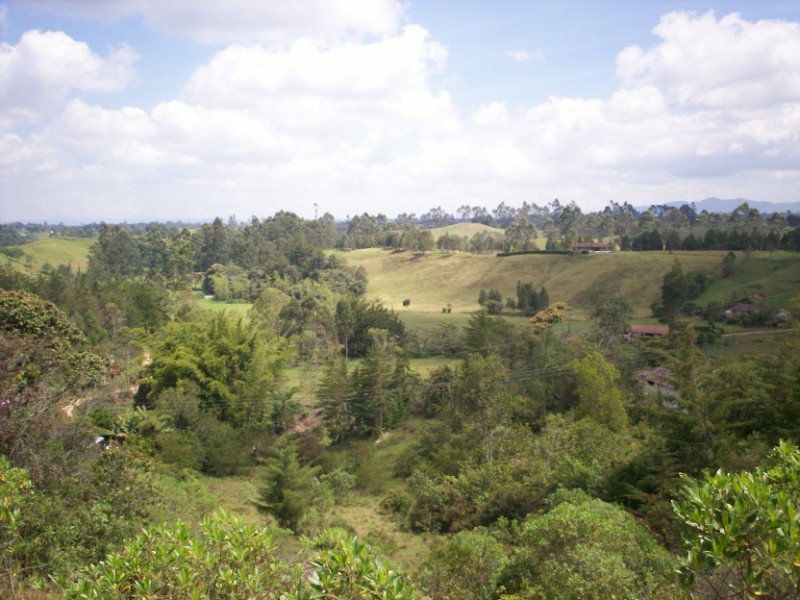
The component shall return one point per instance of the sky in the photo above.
(156, 110)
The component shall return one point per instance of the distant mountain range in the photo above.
(726, 206)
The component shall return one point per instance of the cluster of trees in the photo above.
(528, 300)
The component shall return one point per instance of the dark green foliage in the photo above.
(493, 307)
(648, 240)
(487, 335)
(288, 488)
(674, 291)
(355, 317)
(728, 265)
(79, 512)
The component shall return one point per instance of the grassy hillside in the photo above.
(53, 251)
(434, 280)
(467, 229)
(772, 280)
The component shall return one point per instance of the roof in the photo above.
(649, 329)
(743, 307)
(590, 245)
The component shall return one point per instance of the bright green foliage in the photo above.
(288, 487)
(585, 549)
(15, 488)
(744, 530)
(235, 371)
(345, 569)
(225, 559)
(598, 395)
(465, 567)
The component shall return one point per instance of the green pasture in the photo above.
(765, 278)
(235, 310)
(467, 230)
(734, 346)
(435, 279)
(72, 252)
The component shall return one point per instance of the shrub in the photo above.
(224, 559)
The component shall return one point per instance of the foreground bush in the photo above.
(743, 530)
(224, 559)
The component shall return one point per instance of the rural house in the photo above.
(587, 247)
(637, 332)
(742, 309)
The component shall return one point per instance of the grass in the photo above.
(236, 493)
(467, 230)
(72, 252)
(764, 278)
(769, 343)
(433, 280)
(235, 310)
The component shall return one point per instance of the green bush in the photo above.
(465, 567)
(346, 568)
(585, 549)
(224, 559)
(743, 529)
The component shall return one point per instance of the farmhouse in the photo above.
(637, 332)
(743, 309)
(587, 247)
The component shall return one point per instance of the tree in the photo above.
(381, 387)
(288, 488)
(464, 567)
(235, 370)
(728, 265)
(743, 536)
(598, 393)
(585, 549)
(611, 314)
(674, 290)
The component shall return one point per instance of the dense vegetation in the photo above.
(232, 410)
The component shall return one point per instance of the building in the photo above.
(638, 332)
(591, 247)
(742, 309)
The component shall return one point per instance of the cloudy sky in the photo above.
(138, 110)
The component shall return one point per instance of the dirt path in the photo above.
(759, 332)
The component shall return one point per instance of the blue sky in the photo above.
(138, 110)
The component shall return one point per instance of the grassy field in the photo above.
(771, 280)
(72, 252)
(468, 230)
(235, 310)
(433, 280)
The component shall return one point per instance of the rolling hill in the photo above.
(72, 252)
(433, 280)
(468, 230)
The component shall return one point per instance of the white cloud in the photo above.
(525, 56)
(244, 75)
(243, 21)
(38, 73)
(703, 61)
(359, 125)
